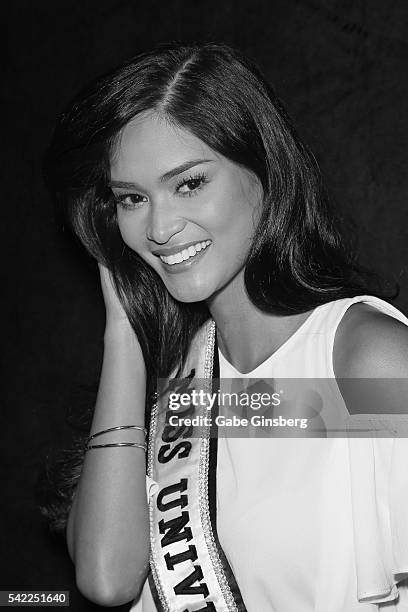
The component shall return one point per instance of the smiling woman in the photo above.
(219, 256)
(174, 193)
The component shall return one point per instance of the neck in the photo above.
(247, 335)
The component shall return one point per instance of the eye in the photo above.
(130, 201)
(191, 185)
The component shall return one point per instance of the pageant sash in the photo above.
(189, 571)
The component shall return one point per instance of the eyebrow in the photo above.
(166, 176)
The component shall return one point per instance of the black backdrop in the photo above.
(340, 67)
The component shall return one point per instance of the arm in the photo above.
(107, 532)
(372, 345)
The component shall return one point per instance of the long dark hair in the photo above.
(297, 260)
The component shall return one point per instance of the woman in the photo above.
(182, 175)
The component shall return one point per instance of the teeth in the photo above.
(185, 253)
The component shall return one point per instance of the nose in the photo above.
(163, 224)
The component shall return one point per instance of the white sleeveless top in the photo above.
(312, 524)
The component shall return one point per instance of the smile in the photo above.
(185, 254)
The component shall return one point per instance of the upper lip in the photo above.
(166, 251)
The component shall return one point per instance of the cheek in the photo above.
(241, 209)
(131, 234)
(242, 226)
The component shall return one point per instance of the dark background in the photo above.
(341, 69)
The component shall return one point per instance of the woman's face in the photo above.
(189, 212)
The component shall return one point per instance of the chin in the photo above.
(189, 295)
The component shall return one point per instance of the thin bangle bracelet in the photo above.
(99, 433)
(91, 446)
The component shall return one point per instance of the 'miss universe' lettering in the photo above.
(177, 447)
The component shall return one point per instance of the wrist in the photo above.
(121, 341)
(118, 328)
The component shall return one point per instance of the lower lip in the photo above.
(185, 265)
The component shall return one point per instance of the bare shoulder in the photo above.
(372, 345)
(369, 343)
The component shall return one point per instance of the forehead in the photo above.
(150, 145)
